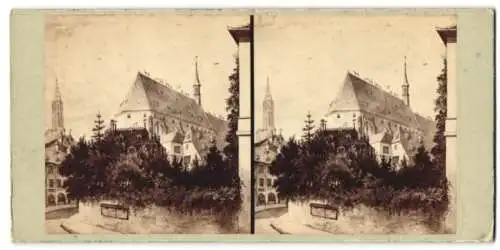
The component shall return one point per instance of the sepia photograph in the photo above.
(141, 123)
(355, 123)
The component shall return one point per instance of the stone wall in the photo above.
(157, 220)
(361, 220)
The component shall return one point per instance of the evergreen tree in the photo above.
(308, 128)
(98, 128)
(438, 151)
(233, 111)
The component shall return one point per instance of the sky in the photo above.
(307, 57)
(96, 57)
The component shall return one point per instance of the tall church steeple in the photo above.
(268, 108)
(197, 84)
(57, 109)
(406, 86)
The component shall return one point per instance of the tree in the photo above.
(233, 111)
(286, 167)
(98, 128)
(438, 151)
(216, 170)
(308, 128)
(75, 168)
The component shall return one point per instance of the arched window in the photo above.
(61, 198)
(261, 200)
(271, 198)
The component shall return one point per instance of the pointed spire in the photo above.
(57, 95)
(405, 73)
(406, 86)
(268, 89)
(197, 77)
(197, 85)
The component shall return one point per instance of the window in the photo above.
(128, 115)
(385, 149)
(59, 183)
(187, 159)
(51, 183)
(395, 147)
(324, 211)
(395, 159)
(261, 182)
(51, 170)
(269, 183)
(177, 149)
(338, 116)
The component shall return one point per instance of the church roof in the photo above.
(356, 94)
(148, 94)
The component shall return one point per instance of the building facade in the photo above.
(57, 147)
(393, 129)
(267, 145)
(178, 120)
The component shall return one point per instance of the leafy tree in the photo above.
(75, 168)
(286, 167)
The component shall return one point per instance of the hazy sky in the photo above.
(307, 58)
(96, 59)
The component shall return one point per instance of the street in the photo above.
(54, 218)
(264, 218)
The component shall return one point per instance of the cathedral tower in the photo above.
(268, 109)
(406, 87)
(197, 84)
(57, 110)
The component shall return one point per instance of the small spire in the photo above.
(57, 91)
(268, 89)
(405, 73)
(197, 77)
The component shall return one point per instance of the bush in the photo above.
(134, 169)
(341, 167)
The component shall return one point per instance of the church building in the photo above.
(394, 130)
(267, 146)
(183, 127)
(57, 147)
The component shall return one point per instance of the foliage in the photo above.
(137, 171)
(438, 151)
(341, 166)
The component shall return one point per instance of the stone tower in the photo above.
(57, 110)
(406, 86)
(268, 109)
(197, 84)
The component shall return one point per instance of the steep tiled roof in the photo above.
(384, 137)
(148, 94)
(358, 95)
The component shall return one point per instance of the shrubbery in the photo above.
(341, 167)
(109, 169)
